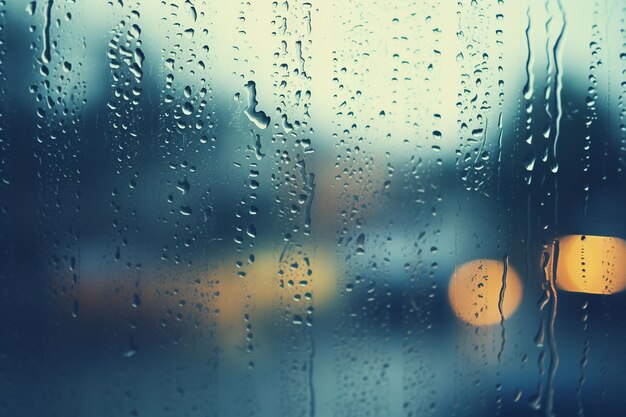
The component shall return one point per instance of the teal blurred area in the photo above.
(312, 208)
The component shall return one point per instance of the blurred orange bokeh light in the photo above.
(591, 264)
(474, 292)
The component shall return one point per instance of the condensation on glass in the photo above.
(312, 208)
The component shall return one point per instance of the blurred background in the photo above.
(312, 208)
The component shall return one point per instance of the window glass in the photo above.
(312, 208)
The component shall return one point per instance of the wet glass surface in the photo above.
(312, 208)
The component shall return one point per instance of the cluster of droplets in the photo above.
(621, 104)
(293, 186)
(187, 92)
(546, 166)
(528, 91)
(545, 339)
(126, 61)
(292, 183)
(187, 124)
(499, 34)
(247, 208)
(422, 29)
(366, 118)
(474, 101)
(481, 150)
(59, 93)
(591, 99)
(543, 115)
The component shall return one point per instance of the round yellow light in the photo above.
(475, 288)
(591, 264)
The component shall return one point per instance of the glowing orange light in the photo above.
(287, 283)
(591, 264)
(475, 289)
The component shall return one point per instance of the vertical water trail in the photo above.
(583, 364)
(554, 353)
(500, 137)
(591, 99)
(500, 69)
(528, 233)
(621, 105)
(528, 93)
(581, 381)
(500, 305)
(309, 186)
(603, 60)
(536, 400)
(549, 66)
(308, 180)
(558, 71)
(45, 54)
(558, 80)
(530, 60)
(311, 375)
